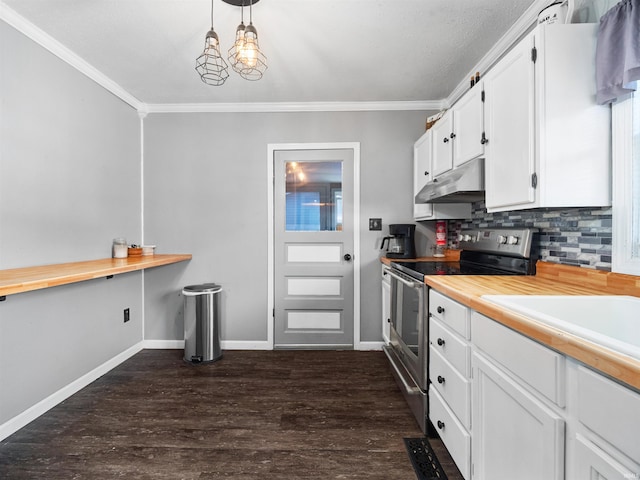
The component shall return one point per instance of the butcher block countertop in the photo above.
(18, 280)
(550, 279)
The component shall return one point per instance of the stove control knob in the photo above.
(512, 240)
(467, 238)
(502, 239)
(460, 237)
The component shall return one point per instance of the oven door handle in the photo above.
(414, 284)
(410, 389)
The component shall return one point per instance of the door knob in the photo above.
(347, 257)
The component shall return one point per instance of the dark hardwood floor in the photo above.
(252, 415)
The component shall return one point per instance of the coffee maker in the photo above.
(401, 242)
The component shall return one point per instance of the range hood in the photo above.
(464, 184)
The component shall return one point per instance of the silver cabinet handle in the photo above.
(411, 389)
(404, 281)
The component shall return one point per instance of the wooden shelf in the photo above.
(19, 280)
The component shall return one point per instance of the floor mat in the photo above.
(424, 460)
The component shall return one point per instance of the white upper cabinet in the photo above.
(422, 174)
(457, 135)
(509, 159)
(548, 143)
(442, 144)
(468, 125)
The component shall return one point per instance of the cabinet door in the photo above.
(591, 462)
(386, 306)
(509, 128)
(422, 174)
(442, 160)
(467, 127)
(514, 434)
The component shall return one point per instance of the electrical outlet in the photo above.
(375, 224)
(126, 315)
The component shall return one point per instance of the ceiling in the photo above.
(317, 50)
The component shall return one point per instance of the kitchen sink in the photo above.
(612, 321)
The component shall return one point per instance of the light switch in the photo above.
(375, 224)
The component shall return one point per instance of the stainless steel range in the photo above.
(484, 252)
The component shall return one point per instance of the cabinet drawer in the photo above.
(456, 351)
(454, 436)
(536, 365)
(450, 312)
(454, 388)
(610, 410)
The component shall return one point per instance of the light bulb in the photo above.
(249, 55)
(238, 46)
(249, 52)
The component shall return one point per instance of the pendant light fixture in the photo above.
(235, 53)
(210, 65)
(251, 62)
(245, 56)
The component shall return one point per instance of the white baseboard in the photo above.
(370, 346)
(22, 419)
(163, 344)
(241, 345)
(245, 345)
(224, 344)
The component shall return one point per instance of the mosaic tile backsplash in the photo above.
(572, 236)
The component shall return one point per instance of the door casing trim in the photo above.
(271, 149)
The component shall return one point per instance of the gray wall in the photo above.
(69, 184)
(206, 194)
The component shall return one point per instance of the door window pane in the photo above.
(313, 196)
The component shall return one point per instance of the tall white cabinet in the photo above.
(548, 143)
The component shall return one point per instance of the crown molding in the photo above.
(274, 107)
(46, 41)
(520, 28)
(523, 25)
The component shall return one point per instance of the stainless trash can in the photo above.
(202, 323)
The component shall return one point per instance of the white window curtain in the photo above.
(618, 51)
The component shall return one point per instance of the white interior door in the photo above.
(313, 248)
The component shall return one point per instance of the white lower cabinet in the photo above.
(606, 444)
(508, 407)
(449, 372)
(386, 305)
(514, 434)
(453, 434)
(592, 462)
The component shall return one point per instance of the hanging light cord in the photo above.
(211, 14)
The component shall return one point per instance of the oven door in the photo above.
(407, 349)
(409, 334)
